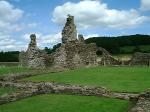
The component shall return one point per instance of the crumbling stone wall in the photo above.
(81, 38)
(74, 55)
(23, 59)
(32, 89)
(107, 59)
(33, 57)
(69, 32)
(140, 59)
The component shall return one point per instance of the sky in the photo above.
(46, 18)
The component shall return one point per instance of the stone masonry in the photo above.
(33, 57)
(69, 32)
(74, 53)
(140, 59)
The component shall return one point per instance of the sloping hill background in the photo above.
(123, 44)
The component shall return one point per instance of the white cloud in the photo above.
(9, 15)
(91, 35)
(94, 13)
(7, 44)
(43, 40)
(145, 5)
(32, 25)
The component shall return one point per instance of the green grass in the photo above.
(66, 103)
(121, 79)
(7, 90)
(10, 70)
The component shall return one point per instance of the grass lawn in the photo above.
(66, 103)
(7, 90)
(9, 70)
(121, 79)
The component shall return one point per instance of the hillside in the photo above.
(123, 44)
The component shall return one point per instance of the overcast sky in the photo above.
(46, 18)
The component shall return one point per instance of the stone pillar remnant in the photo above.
(69, 32)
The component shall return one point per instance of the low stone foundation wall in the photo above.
(32, 89)
(17, 96)
(125, 96)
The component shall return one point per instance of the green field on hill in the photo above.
(131, 49)
(66, 103)
(121, 79)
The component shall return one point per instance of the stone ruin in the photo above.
(74, 53)
(33, 57)
(140, 59)
(69, 32)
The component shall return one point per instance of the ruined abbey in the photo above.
(74, 53)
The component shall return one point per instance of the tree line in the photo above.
(10, 56)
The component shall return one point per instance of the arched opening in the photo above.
(99, 54)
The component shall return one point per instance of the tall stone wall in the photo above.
(33, 57)
(69, 32)
(74, 55)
